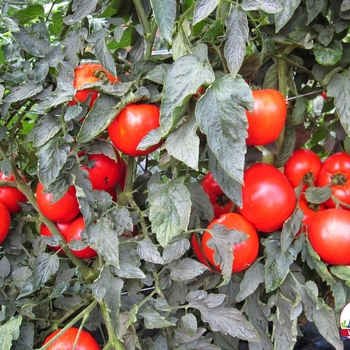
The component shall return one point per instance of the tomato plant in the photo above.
(64, 209)
(131, 125)
(268, 198)
(221, 203)
(329, 235)
(5, 222)
(244, 253)
(62, 227)
(303, 166)
(74, 232)
(11, 196)
(335, 171)
(104, 172)
(267, 119)
(85, 341)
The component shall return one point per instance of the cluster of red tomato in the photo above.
(269, 198)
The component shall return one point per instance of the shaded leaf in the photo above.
(200, 202)
(237, 34)
(281, 18)
(170, 210)
(24, 91)
(330, 55)
(81, 9)
(268, 6)
(203, 9)
(148, 251)
(290, 228)
(190, 324)
(175, 249)
(186, 269)
(153, 319)
(104, 56)
(165, 13)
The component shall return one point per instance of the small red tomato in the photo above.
(65, 209)
(66, 341)
(220, 202)
(62, 227)
(267, 196)
(303, 166)
(104, 172)
(245, 253)
(74, 231)
(335, 171)
(131, 125)
(5, 222)
(268, 117)
(329, 235)
(11, 196)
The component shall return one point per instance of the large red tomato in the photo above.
(217, 197)
(11, 196)
(89, 73)
(104, 172)
(329, 235)
(62, 227)
(65, 209)
(309, 210)
(5, 222)
(74, 231)
(268, 199)
(131, 125)
(302, 166)
(335, 171)
(268, 117)
(67, 339)
(245, 253)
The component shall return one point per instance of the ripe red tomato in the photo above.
(11, 196)
(131, 125)
(267, 196)
(104, 172)
(5, 222)
(309, 210)
(335, 170)
(329, 235)
(67, 339)
(89, 73)
(302, 166)
(268, 117)
(63, 228)
(75, 232)
(65, 209)
(217, 197)
(245, 253)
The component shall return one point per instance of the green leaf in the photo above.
(253, 277)
(237, 34)
(290, 228)
(183, 143)
(190, 324)
(299, 110)
(176, 248)
(170, 210)
(342, 272)
(339, 88)
(81, 9)
(104, 56)
(314, 7)
(148, 251)
(44, 267)
(165, 13)
(51, 160)
(203, 8)
(226, 320)
(24, 91)
(101, 115)
(330, 55)
(281, 18)
(221, 115)
(29, 13)
(186, 269)
(104, 240)
(10, 331)
(153, 319)
(318, 195)
(268, 6)
(277, 262)
(182, 80)
(200, 202)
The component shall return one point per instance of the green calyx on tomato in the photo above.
(267, 119)
(131, 125)
(268, 199)
(244, 253)
(220, 202)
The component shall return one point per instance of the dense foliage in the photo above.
(127, 272)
